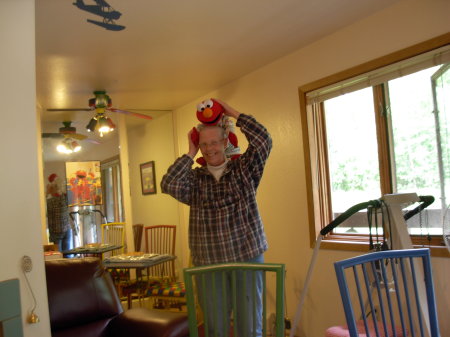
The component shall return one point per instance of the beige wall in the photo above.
(154, 141)
(20, 206)
(270, 94)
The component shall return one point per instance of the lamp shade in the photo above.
(105, 125)
(68, 146)
(91, 125)
(111, 124)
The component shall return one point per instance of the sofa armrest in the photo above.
(143, 322)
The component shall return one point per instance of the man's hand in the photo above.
(229, 111)
(192, 148)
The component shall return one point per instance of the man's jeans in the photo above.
(64, 241)
(245, 299)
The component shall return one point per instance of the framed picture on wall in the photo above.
(148, 180)
(84, 183)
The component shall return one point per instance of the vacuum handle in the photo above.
(347, 214)
(426, 200)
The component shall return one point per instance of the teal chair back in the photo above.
(198, 280)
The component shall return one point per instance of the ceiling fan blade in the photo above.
(130, 113)
(75, 136)
(52, 135)
(93, 141)
(72, 109)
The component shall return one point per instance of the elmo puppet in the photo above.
(211, 112)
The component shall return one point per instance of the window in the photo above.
(381, 128)
(112, 190)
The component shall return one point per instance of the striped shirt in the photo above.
(224, 221)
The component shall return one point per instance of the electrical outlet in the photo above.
(287, 323)
(271, 325)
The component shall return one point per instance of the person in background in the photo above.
(224, 222)
(59, 227)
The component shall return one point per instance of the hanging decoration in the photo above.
(104, 10)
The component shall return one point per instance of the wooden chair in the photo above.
(163, 287)
(135, 288)
(114, 233)
(387, 293)
(201, 283)
(138, 230)
(161, 240)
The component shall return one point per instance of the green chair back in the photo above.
(195, 281)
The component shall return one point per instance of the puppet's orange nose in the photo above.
(207, 113)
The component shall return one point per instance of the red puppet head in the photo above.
(209, 112)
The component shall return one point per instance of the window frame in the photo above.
(116, 190)
(348, 241)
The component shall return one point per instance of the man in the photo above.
(224, 223)
(59, 227)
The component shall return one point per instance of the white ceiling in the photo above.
(171, 51)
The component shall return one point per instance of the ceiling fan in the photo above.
(69, 137)
(66, 131)
(102, 103)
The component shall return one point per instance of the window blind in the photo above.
(380, 75)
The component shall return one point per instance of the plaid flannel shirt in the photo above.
(58, 214)
(224, 221)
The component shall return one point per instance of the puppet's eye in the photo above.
(208, 103)
(201, 107)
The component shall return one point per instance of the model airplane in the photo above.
(103, 9)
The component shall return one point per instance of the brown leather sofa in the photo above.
(84, 303)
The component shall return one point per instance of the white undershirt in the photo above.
(217, 171)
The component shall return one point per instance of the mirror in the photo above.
(144, 141)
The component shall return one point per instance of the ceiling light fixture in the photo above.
(100, 122)
(91, 125)
(68, 146)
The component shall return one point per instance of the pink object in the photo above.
(342, 330)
